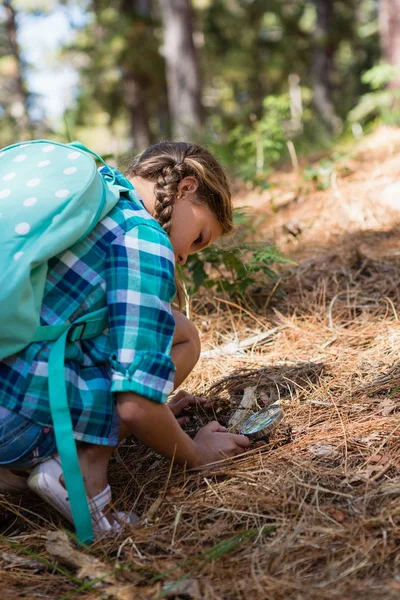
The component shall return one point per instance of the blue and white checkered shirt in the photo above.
(126, 264)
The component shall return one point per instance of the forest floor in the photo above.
(312, 514)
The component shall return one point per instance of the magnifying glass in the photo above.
(261, 424)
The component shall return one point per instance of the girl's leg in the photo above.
(93, 461)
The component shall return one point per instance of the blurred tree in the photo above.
(323, 64)
(14, 95)
(235, 58)
(252, 48)
(389, 21)
(183, 75)
(122, 72)
(136, 81)
(238, 65)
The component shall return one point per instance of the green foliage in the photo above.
(322, 172)
(233, 268)
(260, 143)
(232, 271)
(380, 101)
(247, 51)
(379, 76)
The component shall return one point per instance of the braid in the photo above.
(166, 190)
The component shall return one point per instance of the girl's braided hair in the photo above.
(167, 163)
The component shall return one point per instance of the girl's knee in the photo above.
(187, 333)
(194, 341)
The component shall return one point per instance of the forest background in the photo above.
(245, 77)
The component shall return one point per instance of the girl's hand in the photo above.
(215, 443)
(181, 401)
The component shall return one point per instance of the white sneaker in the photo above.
(45, 481)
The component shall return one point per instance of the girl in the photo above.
(118, 382)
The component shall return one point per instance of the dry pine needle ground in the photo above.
(312, 514)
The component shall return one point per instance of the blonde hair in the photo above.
(167, 163)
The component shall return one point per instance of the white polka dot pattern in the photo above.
(9, 176)
(33, 182)
(22, 228)
(20, 158)
(70, 171)
(41, 185)
(62, 193)
(51, 196)
(30, 201)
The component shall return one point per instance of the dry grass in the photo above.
(313, 514)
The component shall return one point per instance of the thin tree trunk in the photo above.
(136, 83)
(322, 66)
(135, 99)
(20, 111)
(389, 22)
(183, 74)
(256, 12)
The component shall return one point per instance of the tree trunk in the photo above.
(255, 14)
(135, 99)
(389, 23)
(322, 65)
(20, 109)
(183, 74)
(135, 82)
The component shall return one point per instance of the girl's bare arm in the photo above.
(155, 425)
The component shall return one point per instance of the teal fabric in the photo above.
(67, 197)
(66, 447)
(93, 325)
(51, 196)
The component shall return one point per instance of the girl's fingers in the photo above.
(178, 396)
(180, 405)
(177, 405)
(183, 420)
(215, 427)
(191, 398)
(196, 399)
(241, 440)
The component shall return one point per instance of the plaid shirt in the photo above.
(126, 264)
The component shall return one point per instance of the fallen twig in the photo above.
(237, 347)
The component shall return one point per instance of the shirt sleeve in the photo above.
(140, 287)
